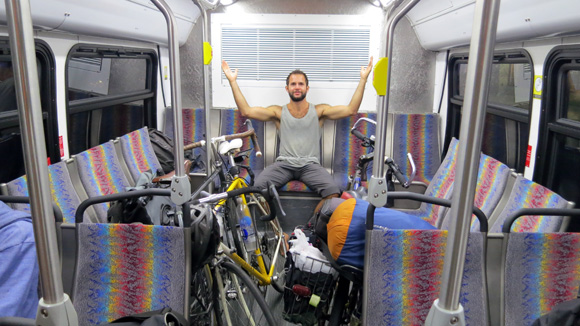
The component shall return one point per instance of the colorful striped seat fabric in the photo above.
(528, 194)
(124, 269)
(138, 153)
(61, 189)
(541, 270)
(101, 174)
(417, 134)
(405, 277)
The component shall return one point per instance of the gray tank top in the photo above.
(299, 138)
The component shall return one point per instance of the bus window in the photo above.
(508, 108)
(558, 154)
(110, 92)
(12, 158)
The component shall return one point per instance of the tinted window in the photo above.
(506, 131)
(572, 95)
(12, 158)
(558, 156)
(108, 95)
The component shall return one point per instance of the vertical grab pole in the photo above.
(381, 82)
(205, 6)
(447, 310)
(55, 307)
(180, 185)
(377, 184)
(207, 56)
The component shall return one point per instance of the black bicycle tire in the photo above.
(278, 284)
(340, 300)
(233, 227)
(210, 320)
(253, 289)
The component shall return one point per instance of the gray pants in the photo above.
(313, 175)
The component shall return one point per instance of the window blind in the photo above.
(270, 53)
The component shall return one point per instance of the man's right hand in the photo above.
(230, 75)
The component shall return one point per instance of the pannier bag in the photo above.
(309, 285)
(346, 229)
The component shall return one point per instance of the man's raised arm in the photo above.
(253, 112)
(326, 111)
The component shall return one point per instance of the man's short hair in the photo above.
(296, 72)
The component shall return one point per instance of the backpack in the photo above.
(163, 147)
(149, 210)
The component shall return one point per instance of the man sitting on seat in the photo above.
(299, 123)
(18, 264)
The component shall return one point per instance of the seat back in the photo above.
(124, 269)
(492, 178)
(417, 134)
(441, 186)
(405, 277)
(193, 124)
(61, 189)
(18, 187)
(101, 174)
(528, 194)
(233, 122)
(540, 271)
(347, 148)
(138, 152)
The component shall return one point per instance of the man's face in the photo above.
(297, 88)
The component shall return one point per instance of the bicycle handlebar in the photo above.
(397, 172)
(248, 133)
(269, 193)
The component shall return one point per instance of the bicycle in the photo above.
(262, 261)
(234, 292)
(355, 186)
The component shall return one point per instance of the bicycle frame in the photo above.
(264, 276)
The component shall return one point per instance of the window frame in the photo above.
(148, 95)
(552, 123)
(512, 113)
(47, 87)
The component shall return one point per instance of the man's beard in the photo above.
(297, 99)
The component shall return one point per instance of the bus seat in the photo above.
(193, 128)
(405, 276)
(528, 194)
(295, 186)
(18, 187)
(233, 122)
(440, 186)
(138, 153)
(62, 191)
(417, 134)
(124, 269)
(347, 148)
(101, 174)
(492, 179)
(540, 270)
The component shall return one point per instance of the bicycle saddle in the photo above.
(227, 146)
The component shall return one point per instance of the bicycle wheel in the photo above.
(233, 228)
(237, 299)
(272, 242)
(201, 310)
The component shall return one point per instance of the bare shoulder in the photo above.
(321, 108)
(276, 111)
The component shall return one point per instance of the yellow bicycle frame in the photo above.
(264, 277)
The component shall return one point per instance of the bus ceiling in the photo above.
(443, 24)
(136, 20)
